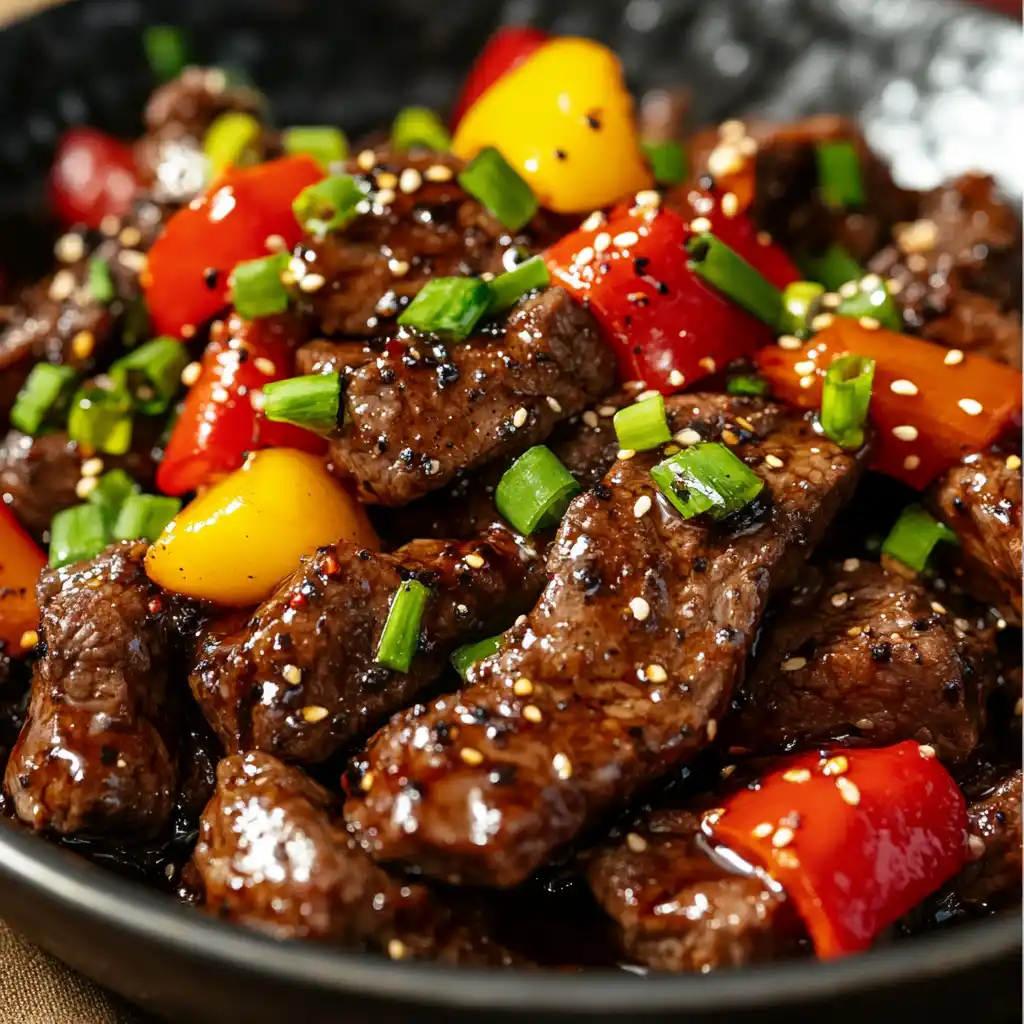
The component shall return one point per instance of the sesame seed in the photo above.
(822, 320)
(471, 756)
(686, 437)
(724, 160)
(729, 437)
(265, 366)
(831, 300)
(69, 248)
(656, 673)
(700, 225)
(590, 418)
(642, 505)
(851, 565)
(848, 290)
(864, 724)
(86, 486)
(532, 713)
(366, 782)
(384, 197)
(763, 238)
(976, 846)
(29, 639)
(596, 219)
(386, 180)
(837, 765)
(82, 344)
(562, 766)
(903, 387)
(257, 400)
(807, 382)
(911, 462)
(774, 461)
(790, 342)
(848, 791)
(62, 285)
(917, 236)
(762, 831)
(397, 949)
(905, 432)
(855, 631)
(314, 713)
(602, 241)
(730, 204)
(522, 687)
(292, 674)
(398, 267)
(787, 859)
(519, 417)
(130, 236)
(219, 395)
(438, 172)
(804, 367)
(713, 816)
(275, 243)
(640, 608)
(410, 180)
(939, 609)
(607, 411)
(839, 600)
(926, 751)
(670, 449)
(625, 454)
(649, 393)
(1012, 462)
(793, 664)
(971, 406)
(553, 404)
(797, 775)
(676, 379)
(584, 256)
(473, 560)
(732, 129)
(92, 467)
(783, 837)
(312, 283)
(188, 331)
(712, 729)
(727, 771)
(869, 323)
(636, 843)
(707, 363)
(626, 238)
(953, 357)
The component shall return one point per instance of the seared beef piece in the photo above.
(623, 668)
(97, 752)
(300, 679)
(680, 908)
(169, 155)
(13, 700)
(960, 237)
(787, 203)
(421, 224)
(415, 421)
(974, 323)
(980, 500)
(273, 855)
(863, 658)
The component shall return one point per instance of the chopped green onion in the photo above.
(144, 516)
(323, 143)
(256, 286)
(535, 491)
(43, 397)
(642, 425)
(839, 175)
(76, 534)
(723, 268)
(508, 289)
(466, 657)
(668, 160)
(165, 50)
(833, 268)
(449, 307)
(420, 126)
(707, 477)
(801, 302)
(312, 402)
(913, 537)
(747, 385)
(110, 493)
(229, 141)
(101, 420)
(328, 205)
(845, 399)
(871, 299)
(492, 180)
(101, 284)
(152, 373)
(401, 633)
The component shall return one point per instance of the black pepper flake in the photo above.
(560, 154)
(108, 755)
(700, 564)
(920, 625)
(406, 456)
(593, 122)
(881, 652)
(211, 277)
(640, 265)
(447, 374)
(602, 492)
(387, 375)
(382, 443)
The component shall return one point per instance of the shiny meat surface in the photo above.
(97, 751)
(621, 672)
(273, 855)
(678, 907)
(299, 679)
(974, 323)
(993, 878)
(864, 658)
(413, 421)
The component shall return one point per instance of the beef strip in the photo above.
(678, 907)
(974, 323)
(864, 658)
(300, 679)
(980, 500)
(97, 751)
(273, 855)
(420, 224)
(414, 421)
(623, 668)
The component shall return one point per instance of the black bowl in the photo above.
(919, 73)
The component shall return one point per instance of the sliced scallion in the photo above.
(833, 268)
(328, 205)
(144, 516)
(43, 398)
(152, 374)
(165, 50)
(469, 655)
(839, 175)
(914, 536)
(420, 127)
(508, 289)
(668, 160)
(642, 425)
(256, 286)
(230, 141)
(101, 284)
(76, 534)
(746, 384)
(707, 477)
(496, 184)
(449, 307)
(724, 269)
(871, 299)
(846, 398)
(101, 420)
(323, 143)
(401, 633)
(110, 493)
(801, 302)
(535, 491)
(312, 402)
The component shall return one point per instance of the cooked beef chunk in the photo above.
(619, 674)
(416, 420)
(681, 908)
(974, 323)
(980, 500)
(863, 658)
(13, 701)
(273, 855)
(787, 203)
(97, 752)
(420, 224)
(300, 679)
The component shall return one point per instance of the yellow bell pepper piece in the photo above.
(235, 542)
(564, 120)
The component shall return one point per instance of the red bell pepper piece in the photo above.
(857, 837)
(93, 176)
(667, 327)
(505, 50)
(20, 564)
(219, 424)
(189, 265)
(930, 405)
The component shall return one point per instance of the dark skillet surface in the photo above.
(356, 66)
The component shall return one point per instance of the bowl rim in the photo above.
(158, 920)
